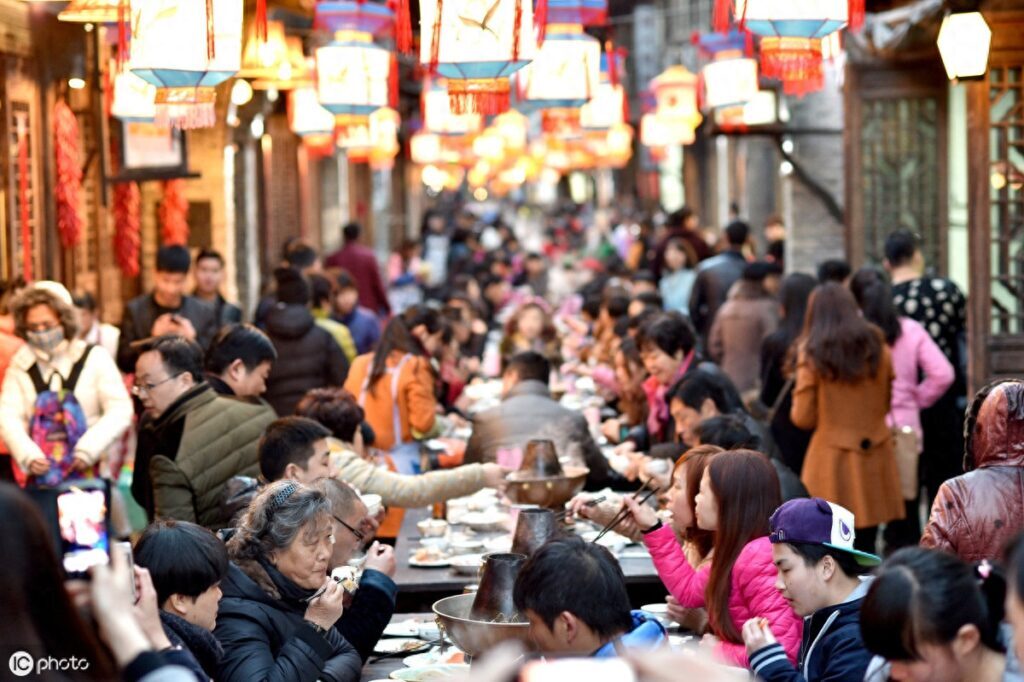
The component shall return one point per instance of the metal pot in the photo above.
(541, 458)
(533, 529)
(475, 636)
(525, 487)
(497, 579)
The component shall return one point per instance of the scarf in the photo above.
(291, 594)
(658, 416)
(200, 642)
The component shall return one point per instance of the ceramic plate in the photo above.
(393, 646)
(484, 520)
(612, 540)
(407, 628)
(467, 564)
(431, 673)
(502, 543)
(451, 656)
(437, 563)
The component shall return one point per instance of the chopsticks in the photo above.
(624, 512)
(559, 515)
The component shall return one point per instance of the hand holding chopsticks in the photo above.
(568, 511)
(630, 507)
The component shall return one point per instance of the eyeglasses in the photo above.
(358, 533)
(139, 389)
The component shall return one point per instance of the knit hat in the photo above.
(814, 521)
(292, 287)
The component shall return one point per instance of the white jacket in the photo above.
(100, 391)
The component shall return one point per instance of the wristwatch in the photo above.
(653, 528)
(317, 628)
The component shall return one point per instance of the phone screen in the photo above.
(84, 531)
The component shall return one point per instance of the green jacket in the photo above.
(220, 439)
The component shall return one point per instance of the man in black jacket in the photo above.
(373, 604)
(167, 310)
(716, 276)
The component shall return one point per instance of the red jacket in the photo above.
(361, 263)
(976, 514)
(752, 593)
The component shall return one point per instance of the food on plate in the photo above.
(427, 555)
(346, 575)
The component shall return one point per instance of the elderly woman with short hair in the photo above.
(54, 359)
(277, 615)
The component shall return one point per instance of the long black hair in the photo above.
(397, 336)
(924, 596)
(874, 296)
(38, 615)
(793, 296)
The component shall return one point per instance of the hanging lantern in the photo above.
(91, 11)
(477, 45)
(186, 52)
(605, 109)
(309, 120)
(964, 42)
(353, 15)
(729, 80)
(133, 98)
(620, 145)
(797, 62)
(791, 18)
(512, 128)
(264, 58)
(675, 95)
(585, 12)
(352, 74)
(490, 147)
(762, 110)
(296, 70)
(657, 135)
(440, 119)
(425, 148)
(566, 71)
(384, 126)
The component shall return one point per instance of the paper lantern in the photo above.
(353, 15)
(352, 74)
(425, 148)
(133, 98)
(512, 128)
(439, 117)
(490, 147)
(186, 54)
(792, 18)
(762, 110)
(384, 146)
(729, 80)
(309, 120)
(964, 42)
(276, 62)
(295, 70)
(586, 12)
(675, 96)
(605, 109)
(797, 62)
(91, 11)
(477, 45)
(656, 133)
(566, 71)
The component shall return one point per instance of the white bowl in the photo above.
(467, 564)
(466, 546)
(485, 521)
(432, 528)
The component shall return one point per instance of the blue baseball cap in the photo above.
(815, 521)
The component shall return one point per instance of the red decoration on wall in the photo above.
(174, 214)
(24, 211)
(68, 188)
(127, 229)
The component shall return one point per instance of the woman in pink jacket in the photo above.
(922, 375)
(738, 493)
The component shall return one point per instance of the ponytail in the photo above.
(397, 336)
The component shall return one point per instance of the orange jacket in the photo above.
(417, 405)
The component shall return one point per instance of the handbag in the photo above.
(908, 454)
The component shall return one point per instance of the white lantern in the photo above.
(477, 45)
(566, 71)
(794, 18)
(425, 148)
(352, 74)
(134, 99)
(606, 109)
(675, 91)
(307, 119)
(439, 117)
(91, 11)
(964, 42)
(172, 50)
(729, 80)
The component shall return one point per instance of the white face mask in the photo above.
(48, 340)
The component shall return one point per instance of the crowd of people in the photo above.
(798, 428)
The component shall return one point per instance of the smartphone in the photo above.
(83, 523)
(125, 549)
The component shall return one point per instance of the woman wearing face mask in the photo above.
(51, 359)
(931, 617)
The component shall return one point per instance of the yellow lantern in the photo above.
(477, 45)
(512, 128)
(425, 148)
(964, 42)
(91, 11)
(675, 92)
(261, 58)
(133, 98)
(384, 126)
(296, 70)
(186, 54)
(490, 147)
(656, 133)
(309, 120)
(730, 79)
(567, 70)
(352, 74)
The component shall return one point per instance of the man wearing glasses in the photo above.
(191, 441)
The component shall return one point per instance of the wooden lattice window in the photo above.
(1006, 151)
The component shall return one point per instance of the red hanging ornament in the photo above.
(540, 18)
(403, 25)
(435, 43)
(127, 228)
(261, 20)
(393, 81)
(68, 188)
(517, 27)
(856, 14)
(124, 15)
(24, 209)
(174, 214)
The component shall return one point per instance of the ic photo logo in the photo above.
(22, 664)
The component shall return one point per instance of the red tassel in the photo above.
(403, 25)
(626, 113)
(517, 25)
(435, 44)
(261, 20)
(211, 34)
(613, 66)
(856, 9)
(123, 17)
(720, 15)
(393, 81)
(748, 44)
(423, 100)
(540, 21)
(489, 103)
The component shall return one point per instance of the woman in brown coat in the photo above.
(842, 390)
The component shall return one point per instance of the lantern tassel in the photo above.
(517, 25)
(403, 25)
(720, 15)
(626, 113)
(613, 66)
(123, 50)
(856, 8)
(540, 20)
(211, 34)
(261, 20)
(435, 43)
(488, 103)
(393, 81)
